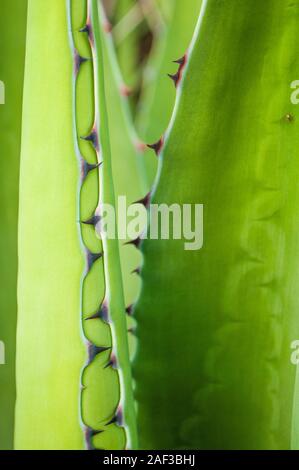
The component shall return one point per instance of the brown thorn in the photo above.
(89, 434)
(129, 310)
(79, 60)
(144, 201)
(182, 61)
(100, 314)
(93, 138)
(132, 331)
(136, 271)
(135, 242)
(175, 78)
(87, 167)
(94, 350)
(94, 220)
(117, 418)
(85, 29)
(91, 258)
(157, 146)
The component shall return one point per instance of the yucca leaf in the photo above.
(12, 48)
(213, 368)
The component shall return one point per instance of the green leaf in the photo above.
(128, 26)
(215, 326)
(157, 98)
(114, 296)
(128, 166)
(129, 173)
(72, 357)
(50, 351)
(12, 42)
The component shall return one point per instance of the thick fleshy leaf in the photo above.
(215, 326)
(73, 359)
(12, 51)
(157, 98)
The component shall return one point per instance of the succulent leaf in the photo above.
(157, 99)
(50, 346)
(216, 366)
(12, 51)
(72, 363)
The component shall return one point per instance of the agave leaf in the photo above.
(72, 358)
(12, 47)
(157, 98)
(114, 295)
(215, 367)
(165, 8)
(128, 26)
(50, 352)
(129, 173)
